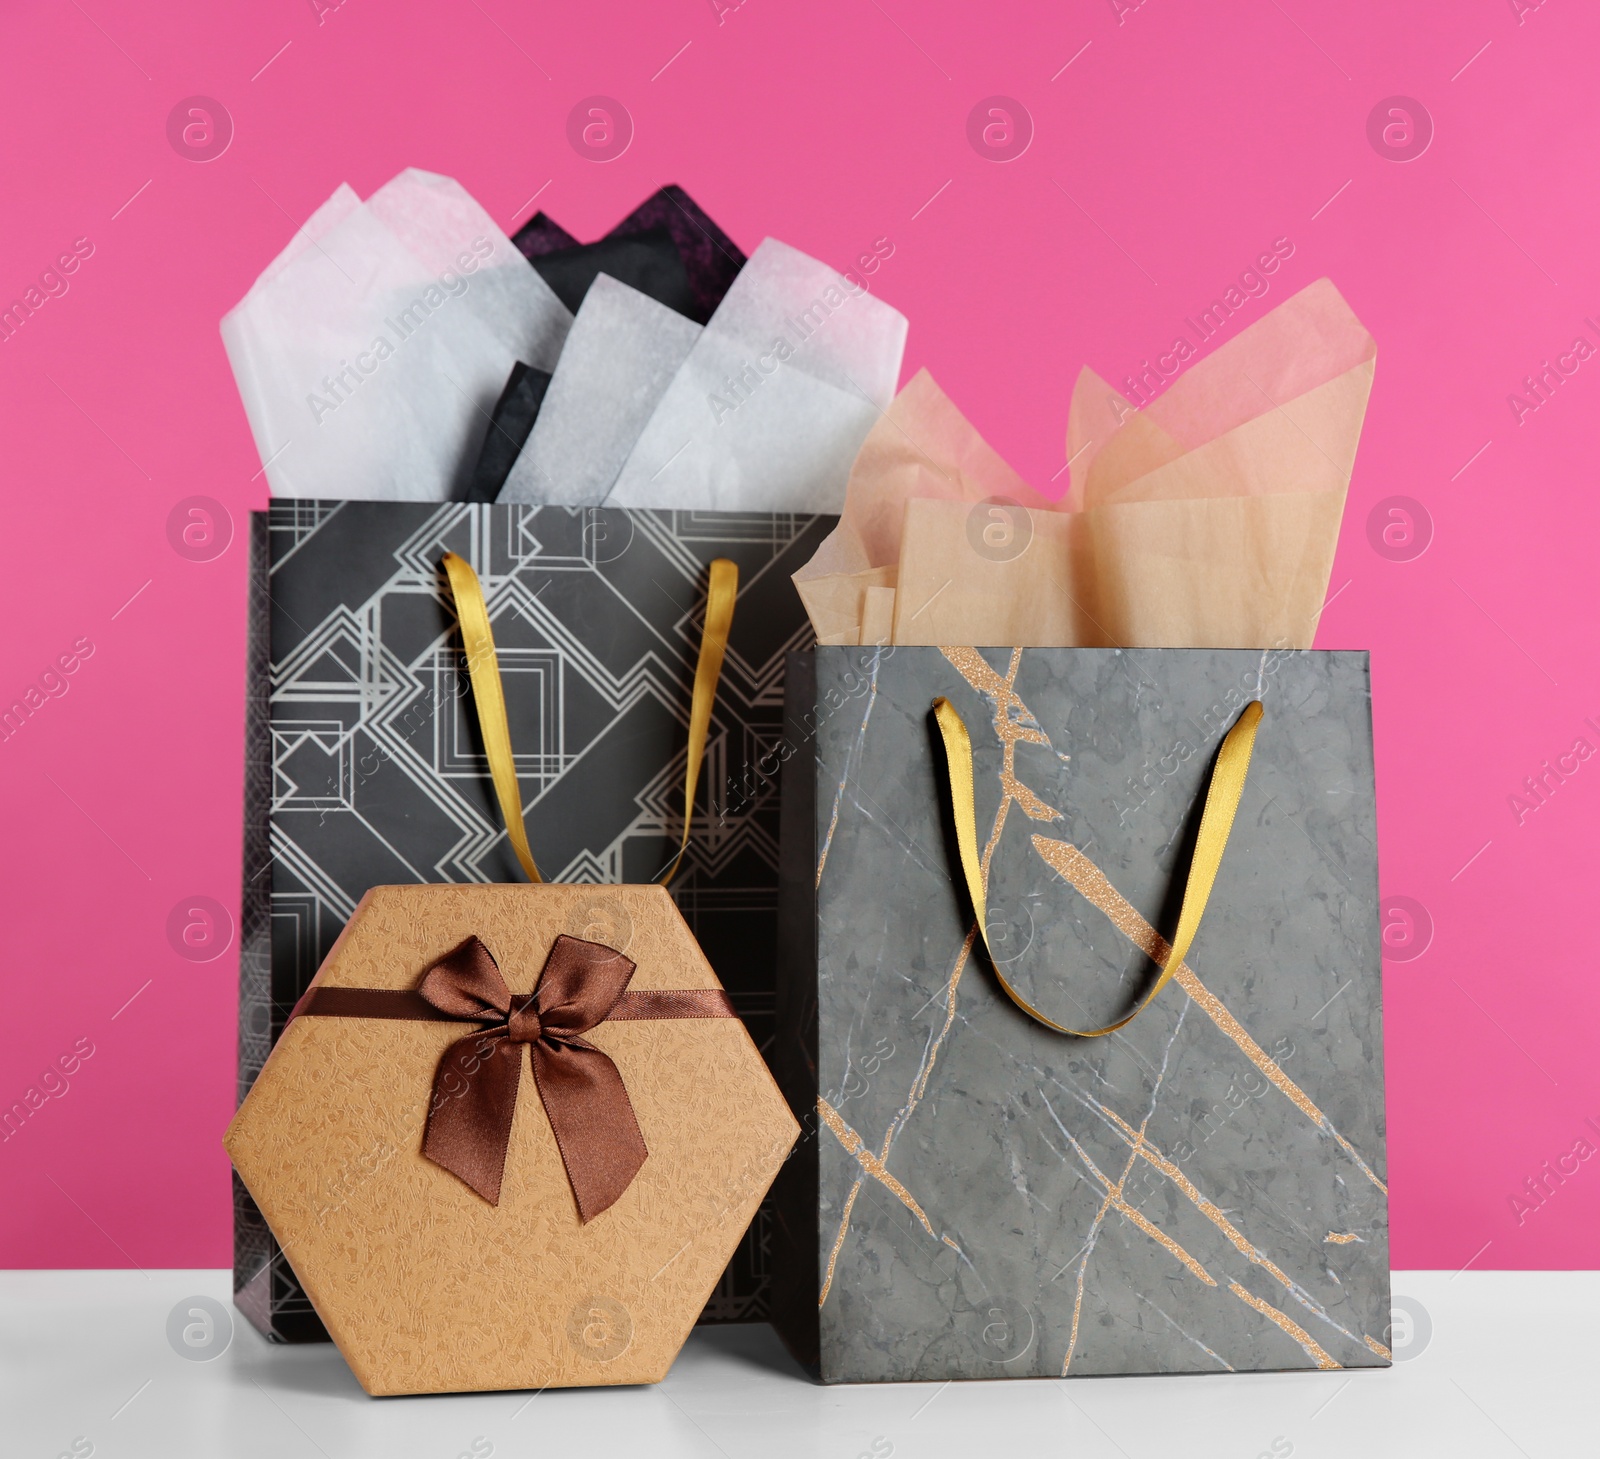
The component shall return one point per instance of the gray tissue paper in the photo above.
(619, 359)
(774, 400)
(370, 352)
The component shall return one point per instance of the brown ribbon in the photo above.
(475, 1087)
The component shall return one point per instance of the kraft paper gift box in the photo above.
(364, 766)
(461, 1226)
(1198, 1189)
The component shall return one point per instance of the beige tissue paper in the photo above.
(1208, 519)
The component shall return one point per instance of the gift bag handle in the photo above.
(484, 668)
(1216, 821)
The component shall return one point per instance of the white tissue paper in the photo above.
(370, 352)
(622, 353)
(775, 398)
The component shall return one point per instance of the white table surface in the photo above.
(1512, 1366)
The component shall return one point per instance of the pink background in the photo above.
(1175, 146)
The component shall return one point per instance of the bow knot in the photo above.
(475, 1089)
(523, 1026)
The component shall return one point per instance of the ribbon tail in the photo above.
(592, 1119)
(469, 1116)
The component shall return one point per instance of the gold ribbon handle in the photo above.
(488, 694)
(1216, 821)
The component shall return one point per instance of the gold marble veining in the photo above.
(872, 1165)
(1074, 867)
(827, 842)
(1142, 1148)
(838, 1240)
(1114, 1199)
(1314, 1349)
(1088, 1249)
(971, 664)
(1013, 725)
(1083, 1270)
(921, 1086)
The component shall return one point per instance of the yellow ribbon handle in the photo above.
(1216, 821)
(484, 667)
(720, 595)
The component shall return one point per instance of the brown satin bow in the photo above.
(475, 1087)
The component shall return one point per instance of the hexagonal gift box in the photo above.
(436, 1267)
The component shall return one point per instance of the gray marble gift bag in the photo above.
(981, 1197)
